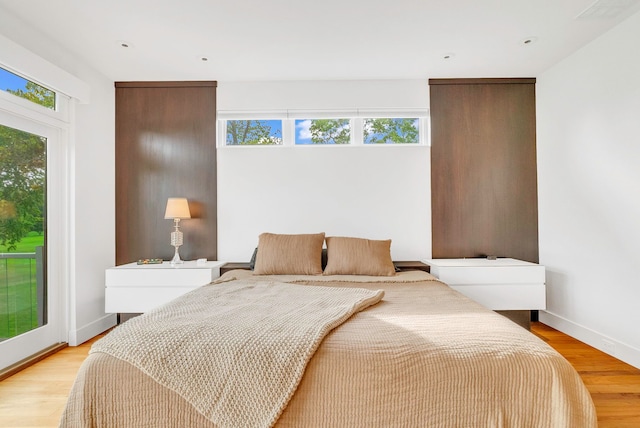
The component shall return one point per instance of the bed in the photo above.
(412, 352)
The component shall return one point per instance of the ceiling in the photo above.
(257, 40)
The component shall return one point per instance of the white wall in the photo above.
(94, 216)
(369, 192)
(92, 212)
(323, 94)
(588, 115)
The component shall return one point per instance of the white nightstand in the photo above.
(502, 284)
(134, 288)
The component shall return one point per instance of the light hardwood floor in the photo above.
(36, 396)
(614, 385)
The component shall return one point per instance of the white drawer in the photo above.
(503, 297)
(140, 299)
(187, 275)
(533, 274)
(503, 284)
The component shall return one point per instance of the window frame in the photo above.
(356, 120)
(350, 122)
(424, 130)
(57, 126)
(55, 93)
(57, 255)
(222, 127)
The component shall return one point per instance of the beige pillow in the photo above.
(356, 256)
(289, 254)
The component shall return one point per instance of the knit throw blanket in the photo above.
(236, 351)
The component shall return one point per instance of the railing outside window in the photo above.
(22, 293)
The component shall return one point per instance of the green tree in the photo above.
(390, 131)
(22, 174)
(37, 94)
(250, 132)
(330, 131)
(22, 184)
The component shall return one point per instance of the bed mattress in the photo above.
(424, 356)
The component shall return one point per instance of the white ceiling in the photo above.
(319, 39)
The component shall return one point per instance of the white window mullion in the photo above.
(357, 138)
(425, 131)
(289, 132)
(222, 133)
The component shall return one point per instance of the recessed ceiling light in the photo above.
(449, 55)
(204, 58)
(124, 44)
(529, 40)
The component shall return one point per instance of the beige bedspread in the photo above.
(424, 356)
(236, 352)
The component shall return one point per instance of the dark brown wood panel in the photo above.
(165, 147)
(489, 81)
(181, 84)
(483, 169)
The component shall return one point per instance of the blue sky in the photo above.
(303, 134)
(276, 127)
(9, 80)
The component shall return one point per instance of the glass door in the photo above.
(30, 308)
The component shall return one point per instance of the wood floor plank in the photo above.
(35, 397)
(614, 385)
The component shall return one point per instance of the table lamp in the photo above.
(177, 209)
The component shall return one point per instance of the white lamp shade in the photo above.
(177, 208)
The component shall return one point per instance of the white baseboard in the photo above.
(619, 350)
(89, 331)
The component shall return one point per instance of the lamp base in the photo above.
(176, 260)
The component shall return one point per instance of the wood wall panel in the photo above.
(165, 147)
(483, 168)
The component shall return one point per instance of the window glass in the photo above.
(323, 131)
(26, 89)
(391, 131)
(254, 132)
(22, 231)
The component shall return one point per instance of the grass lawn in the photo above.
(28, 244)
(18, 286)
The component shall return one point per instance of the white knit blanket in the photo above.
(236, 351)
